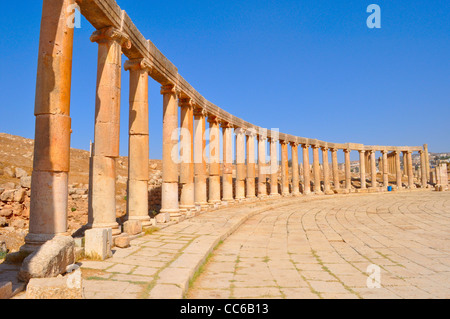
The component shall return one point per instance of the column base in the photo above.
(114, 226)
(145, 220)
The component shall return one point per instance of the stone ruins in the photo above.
(188, 187)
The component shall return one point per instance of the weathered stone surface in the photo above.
(25, 182)
(162, 218)
(132, 227)
(97, 243)
(8, 172)
(3, 221)
(19, 172)
(3, 248)
(55, 288)
(19, 195)
(5, 290)
(7, 195)
(6, 213)
(50, 260)
(122, 241)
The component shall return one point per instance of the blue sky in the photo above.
(311, 68)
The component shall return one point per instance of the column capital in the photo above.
(282, 142)
(111, 34)
(347, 150)
(361, 151)
(325, 148)
(305, 145)
(293, 144)
(262, 138)
(138, 64)
(198, 111)
(239, 130)
(213, 119)
(170, 89)
(186, 102)
(251, 132)
(314, 146)
(225, 124)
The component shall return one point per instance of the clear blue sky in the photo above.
(310, 68)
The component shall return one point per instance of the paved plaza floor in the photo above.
(390, 245)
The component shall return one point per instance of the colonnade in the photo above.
(194, 177)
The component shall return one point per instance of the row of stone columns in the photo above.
(184, 186)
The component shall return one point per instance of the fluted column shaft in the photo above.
(262, 166)
(326, 171)
(187, 198)
(398, 170)
(273, 168)
(241, 168)
(306, 170)
(348, 174)
(316, 169)
(227, 174)
(427, 162)
(373, 169)
(138, 143)
(200, 192)
(410, 170)
(214, 160)
(295, 171)
(284, 168)
(102, 212)
(49, 191)
(335, 165)
(385, 169)
(362, 168)
(251, 169)
(169, 191)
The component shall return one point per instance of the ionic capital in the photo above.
(325, 149)
(262, 138)
(282, 142)
(170, 89)
(362, 152)
(138, 64)
(305, 146)
(293, 144)
(186, 102)
(198, 111)
(111, 34)
(225, 124)
(213, 119)
(239, 131)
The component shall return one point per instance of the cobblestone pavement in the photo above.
(322, 249)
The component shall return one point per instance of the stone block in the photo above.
(25, 182)
(50, 260)
(67, 287)
(97, 243)
(7, 195)
(5, 290)
(122, 241)
(132, 227)
(162, 218)
(19, 195)
(19, 172)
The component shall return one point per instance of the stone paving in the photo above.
(322, 249)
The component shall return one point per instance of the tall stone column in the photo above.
(227, 174)
(385, 169)
(362, 168)
(398, 170)
(335, 168)
(373, 169)
(214, 160)
(273, 168)
(316, 169)
(326, 171)
(138, 142)
(187, 198)
(409, 170)
(200, 193)
(306, 170)
(251, 170)
(169, 199)
(284, 168)
(49, 190)
(348, 173)
(295, 171)
(102, 212)
(423, 168)
(240, 164)
(405, 163)
(427, 162)
(262, 166)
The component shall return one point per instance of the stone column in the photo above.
(295, 172)
(398, 170)
(240, 164)
(138, 142)
(284, 169)
(373, 170)
(316, 169)
(362, 168)
(49, 191)
(409, 170)
(423, 169)
(262, 166)
(169, 191)
(102, 212)
(348, 173)
(427, 162)
(326, 171)
(227, 174)
(251, 171)
(335, 169)
(273, 168)
(187, 198)
(385, 169)
(405, 163)
(214, 161)
(200, 193)
(306, 170)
